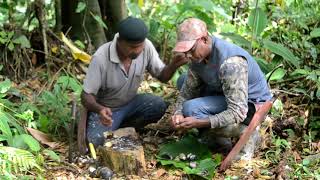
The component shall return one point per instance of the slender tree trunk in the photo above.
(113, 12)
(94, 29)
(57, 6)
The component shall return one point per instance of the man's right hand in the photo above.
(106, 116)
(176, 120)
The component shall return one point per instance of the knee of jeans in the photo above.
(191, 108)
(160, 105)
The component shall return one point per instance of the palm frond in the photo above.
(15, 159)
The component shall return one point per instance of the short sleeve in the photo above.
(93, 79)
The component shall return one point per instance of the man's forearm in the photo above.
(89, 101)
(167, 72)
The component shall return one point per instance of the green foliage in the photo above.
(80, 7)
(282, 51)
(53, 105)
(16, 160)
(169, 155)
(279, 146)
(257, 21)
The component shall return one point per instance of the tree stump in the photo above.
(123, 152)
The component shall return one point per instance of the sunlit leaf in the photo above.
(315, 32)
(257, 21)
(76, 52)
(237, 39)
(52, 155)
(80, 7)
(5, 86)
(282, 51)
(277, 74)
(32, 143)
(23, 41)
(140, 3)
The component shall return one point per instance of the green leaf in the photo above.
(4, 126)
(52, 155)
(264, 65)
(306, 162)
(5, 86)
(10, 46)
(315, 32)
(99, 20)
(277, 75)
(300, 72)
(32, 143)
(80, 7)
(237, 39)
(1, 67)
(155, 84)
(205, 168)
(23, 41)
(80, 44)
(257, 21)
(282, 51)
(69, 83)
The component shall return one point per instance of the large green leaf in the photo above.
(315, 32)
(257, 21)
(4, 126)
(237, 39)
(23, 41)
(168, 155)
(282, 51)
(5, 86)
(277, 74)
(26, 141)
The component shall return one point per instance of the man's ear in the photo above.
(205, 39)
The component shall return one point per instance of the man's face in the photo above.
(198, 52)
(131, 50)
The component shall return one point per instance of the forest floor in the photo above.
(282, 153)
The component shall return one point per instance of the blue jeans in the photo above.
(210, 104)
(140, 111)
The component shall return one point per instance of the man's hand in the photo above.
(176, 120)
(179, 59)
(188, 123)
(105, 116)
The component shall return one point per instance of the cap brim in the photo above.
(184, 46)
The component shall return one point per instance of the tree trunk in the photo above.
(112, 13)
(57, 7)
(94, 29)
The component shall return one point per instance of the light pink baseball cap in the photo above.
(188, 32)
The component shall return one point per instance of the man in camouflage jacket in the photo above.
(221, 89)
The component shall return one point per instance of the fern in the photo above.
(15, 159)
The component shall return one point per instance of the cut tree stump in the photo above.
(123, 152)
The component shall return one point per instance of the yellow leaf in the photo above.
(54, 49)
(140, 3)
(76, 52)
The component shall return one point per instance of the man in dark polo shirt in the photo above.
(116, 70)
(222, 89)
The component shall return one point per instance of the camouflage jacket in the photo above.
(234, 78)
